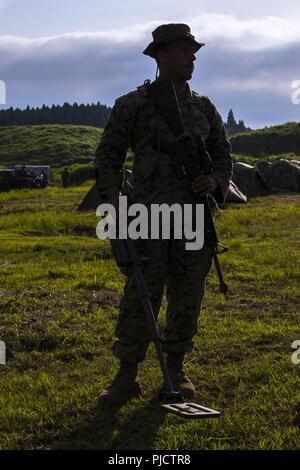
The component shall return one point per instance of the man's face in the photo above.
(177, 59)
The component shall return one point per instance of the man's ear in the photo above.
(158, 56)
(160, 53)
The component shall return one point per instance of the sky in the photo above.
(56, 51)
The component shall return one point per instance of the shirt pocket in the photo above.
(200, 126)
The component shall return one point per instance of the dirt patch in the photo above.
(273, 343)
(288, 198)
(82, 230)
(40, 305)
(39, 233)
(102, 298)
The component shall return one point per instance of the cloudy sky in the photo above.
(52, 51)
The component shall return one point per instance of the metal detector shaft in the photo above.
(145, 299)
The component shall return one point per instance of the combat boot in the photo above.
(180, 382)
(124, 386)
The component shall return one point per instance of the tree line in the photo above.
(84, 114)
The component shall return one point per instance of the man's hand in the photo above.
(113, 194)
(204, 184)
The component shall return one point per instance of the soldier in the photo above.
(24, 171)
(43, 179)
(134, 123)
(65, 176)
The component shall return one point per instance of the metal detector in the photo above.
(169, 399)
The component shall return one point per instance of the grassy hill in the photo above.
(275, 140)
(59, 296)
(74, 146)
(55, 145)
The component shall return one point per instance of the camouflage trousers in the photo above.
(183, 273)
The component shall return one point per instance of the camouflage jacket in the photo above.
(134, 123)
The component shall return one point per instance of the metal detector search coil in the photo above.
(191, 410)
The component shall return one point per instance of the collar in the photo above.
(187, 95)
(188, 92)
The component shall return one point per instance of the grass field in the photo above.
(59, 294)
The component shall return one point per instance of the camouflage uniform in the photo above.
(134, 123)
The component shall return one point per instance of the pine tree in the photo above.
(231, 122)
(241, 126)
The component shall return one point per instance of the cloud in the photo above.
(247, 35)
(4, 3)
(246, 65)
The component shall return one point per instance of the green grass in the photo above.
(51, 144)
(273, 140)
(59, 294)
(253, 160)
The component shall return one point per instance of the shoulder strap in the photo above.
(208, 109)
(163, 95)
(142, 89)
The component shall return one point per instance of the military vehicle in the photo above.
(23, 177)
